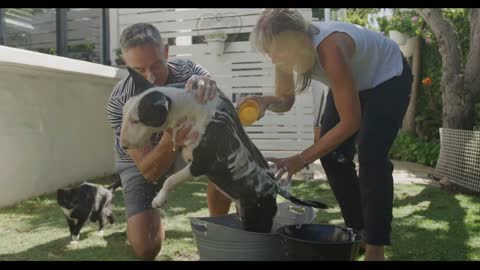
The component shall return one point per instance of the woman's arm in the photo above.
(334, 53)
(284, 92)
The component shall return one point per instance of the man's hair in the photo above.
(140, 34)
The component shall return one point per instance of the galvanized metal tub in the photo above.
(223, 238)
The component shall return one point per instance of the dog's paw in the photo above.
(100, 233)
(159, 200)
(75, 238)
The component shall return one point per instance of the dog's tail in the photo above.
(287, 195)
(115, 185)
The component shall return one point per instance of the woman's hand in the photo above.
(290, 165)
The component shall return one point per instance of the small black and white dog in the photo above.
(222, 151)
(87, 201)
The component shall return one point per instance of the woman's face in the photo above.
(292, 51)
(282, 51)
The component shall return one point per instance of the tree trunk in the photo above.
(458, 107)
(457, 102)
(472, 67)
(409, 124)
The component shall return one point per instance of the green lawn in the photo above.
(429, 224)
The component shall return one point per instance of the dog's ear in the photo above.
(140, 84)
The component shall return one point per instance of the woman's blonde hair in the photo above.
(271, 23)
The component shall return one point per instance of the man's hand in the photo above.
(181, 136)
(206, 87)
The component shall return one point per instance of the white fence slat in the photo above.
(285, 145)
(185, 15)
(122, 11)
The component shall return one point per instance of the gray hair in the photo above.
(140, 34)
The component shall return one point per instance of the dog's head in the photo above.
(79, 197)
(144, 113)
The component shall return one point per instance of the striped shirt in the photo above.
(179, 71)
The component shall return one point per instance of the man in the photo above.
(140, 169)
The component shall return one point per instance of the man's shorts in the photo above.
(138, 193)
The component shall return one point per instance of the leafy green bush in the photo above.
(409, 148)
(405, 21)
(359, 16)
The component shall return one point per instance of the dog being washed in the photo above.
(222, 150)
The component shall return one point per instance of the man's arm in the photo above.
(154, 162)
(198, 70)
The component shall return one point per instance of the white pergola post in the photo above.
(327, 15)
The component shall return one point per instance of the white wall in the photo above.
(53, 125)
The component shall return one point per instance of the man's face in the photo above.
(149, 61)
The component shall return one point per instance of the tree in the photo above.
(460, 83)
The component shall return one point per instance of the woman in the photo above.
(369, 81)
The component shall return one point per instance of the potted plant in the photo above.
(118, 60)
(216, 42)
(397, 36)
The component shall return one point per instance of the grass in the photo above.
(429, 224)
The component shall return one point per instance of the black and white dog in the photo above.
(222, 151)
(84, 202)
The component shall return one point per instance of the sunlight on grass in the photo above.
(177, 209)
(410, 210)
(433, 225)
(428, 224)
(338, 222)
(198, 194)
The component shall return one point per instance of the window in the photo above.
(30, 29)
(79, 33)
(84, 34)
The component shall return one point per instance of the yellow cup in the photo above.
(249, 112)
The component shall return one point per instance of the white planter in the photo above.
(398, 37)
(215, 46)
(409, 48)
